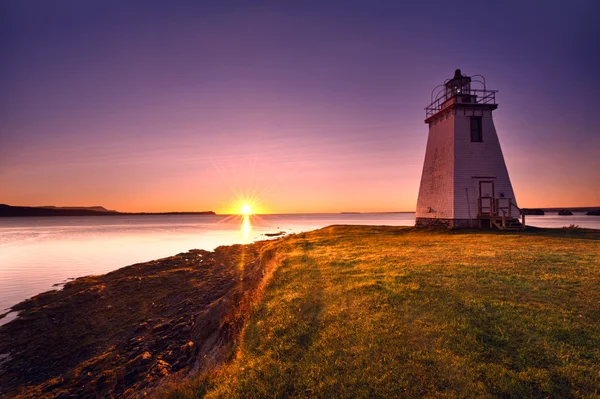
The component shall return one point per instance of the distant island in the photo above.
(589, 210)
(574, 209)
(17, 211)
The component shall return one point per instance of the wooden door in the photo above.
(486, 197)
(486, 189)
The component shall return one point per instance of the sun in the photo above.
(246, 210)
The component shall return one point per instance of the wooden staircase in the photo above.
(500, 213)
(502, 223)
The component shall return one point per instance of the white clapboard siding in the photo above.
(436, 198)
(475, 162)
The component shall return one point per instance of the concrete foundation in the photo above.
(437, 223)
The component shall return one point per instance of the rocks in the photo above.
(142, 328)
(533, 211)
(161, 368)
(444, 224)
(53, 384)
(120, 334)
(433, 223)
(161, 327)
(565, 212)
(594, 213)
(278, 234)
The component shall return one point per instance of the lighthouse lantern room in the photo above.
(465, 182)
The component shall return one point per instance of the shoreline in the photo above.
(130, 330)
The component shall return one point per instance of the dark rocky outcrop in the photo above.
(533, 211)
(594, 213)
(278, 234)
(16, 211)
(123, 333)
(565, 212)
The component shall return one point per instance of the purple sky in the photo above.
(302, 106)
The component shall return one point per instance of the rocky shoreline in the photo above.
(125, 333)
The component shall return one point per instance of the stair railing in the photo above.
(496, 206)
(508, 208)
(520, 212)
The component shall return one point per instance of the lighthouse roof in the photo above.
(458, 79)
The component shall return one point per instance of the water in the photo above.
(551, 219)
(36, 253)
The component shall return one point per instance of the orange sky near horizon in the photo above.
(271, 179)
(266, 174)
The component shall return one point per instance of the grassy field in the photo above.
(398, 312)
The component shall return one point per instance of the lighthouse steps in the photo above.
(506, 223)
(501, 222)
(498, 213)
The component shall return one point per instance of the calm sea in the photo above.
(36, 253)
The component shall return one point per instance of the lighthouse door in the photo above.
(486, 198)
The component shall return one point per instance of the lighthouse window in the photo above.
(476, 129)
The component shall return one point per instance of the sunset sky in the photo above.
(304, 106)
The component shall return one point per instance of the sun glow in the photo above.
(245, 205)
(246, 210)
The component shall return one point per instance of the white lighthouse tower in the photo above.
(465, 182)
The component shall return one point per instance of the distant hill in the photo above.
(17, 211)
(96, 208)
(14, 211)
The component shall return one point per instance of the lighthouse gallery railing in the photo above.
(477, 96)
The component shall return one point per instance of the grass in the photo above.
(397, 312)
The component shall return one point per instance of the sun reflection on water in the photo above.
(246, 227)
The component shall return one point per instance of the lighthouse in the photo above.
(465, 182)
